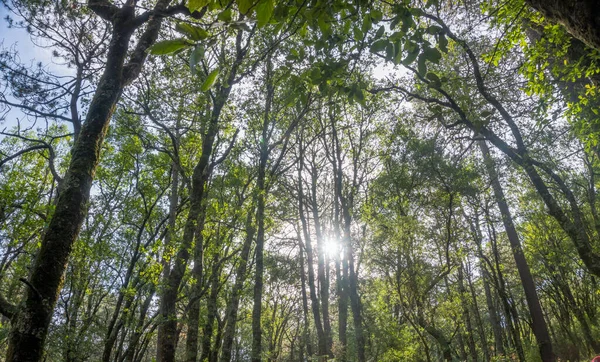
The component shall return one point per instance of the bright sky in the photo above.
(19, 40)
(22, 42)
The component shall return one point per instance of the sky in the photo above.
(20, 40)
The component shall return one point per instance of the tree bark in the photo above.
(240, 276)
(341, 275)
(314, 299)
(323, 279)
(30, 324)
(256, 353)
(211, 311)
(494, 320)
(191, 342)
(345, 208)
(540, 329)
(306, 332)
(469, 331)
(581, 18)
(167, 329)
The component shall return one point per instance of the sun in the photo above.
(331, 247)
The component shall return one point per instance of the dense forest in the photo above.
(300, 180)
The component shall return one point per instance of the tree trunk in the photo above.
(256, 353)
(211, 311)
(214, 354)
(139, 329)
(341, 273)
(540, 329)
(494, 320)
(466, 313)
(345, 208)
(439, 337)
(314, 300)
(306, 332)
(510, 314)
(191, 342)
(323, 279)
(234, 302)
(167, 330)
(29, 326)
(581, 18)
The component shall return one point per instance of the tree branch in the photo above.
(103, 9)
(6, 308)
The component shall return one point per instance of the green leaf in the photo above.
(434, 79)
(195, 56)
(359, 96)
(433, 55)
(366, 24)
(376, 15)
(410, 57)
(225, 16)
(358, 34)
(194, 5)
(323, 25)
(315, 76)
(245, 5)
(390, 51)
(379, 45)
(169, 46)
(380, 32)
(422, 64)
(398, 56)
(443, 43)
(264, 11)
(210, 80)
(193, 32)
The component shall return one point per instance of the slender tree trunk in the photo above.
(139, 329)
(191, 342)
(572, 306)
(211, 310)
(214, 353)
(167, 330)
(314, 299)
(256, 354)
(341, 285)
(30, 325)
(477, 315)
(540, 329)
(259, 271)
(345, 206)
(571, 220)
(494, 320)
(438, 335)
(306, 333)
(466, 313)
(510, 314)
(234, 302)
(323, 279)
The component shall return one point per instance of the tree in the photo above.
(298, 180)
